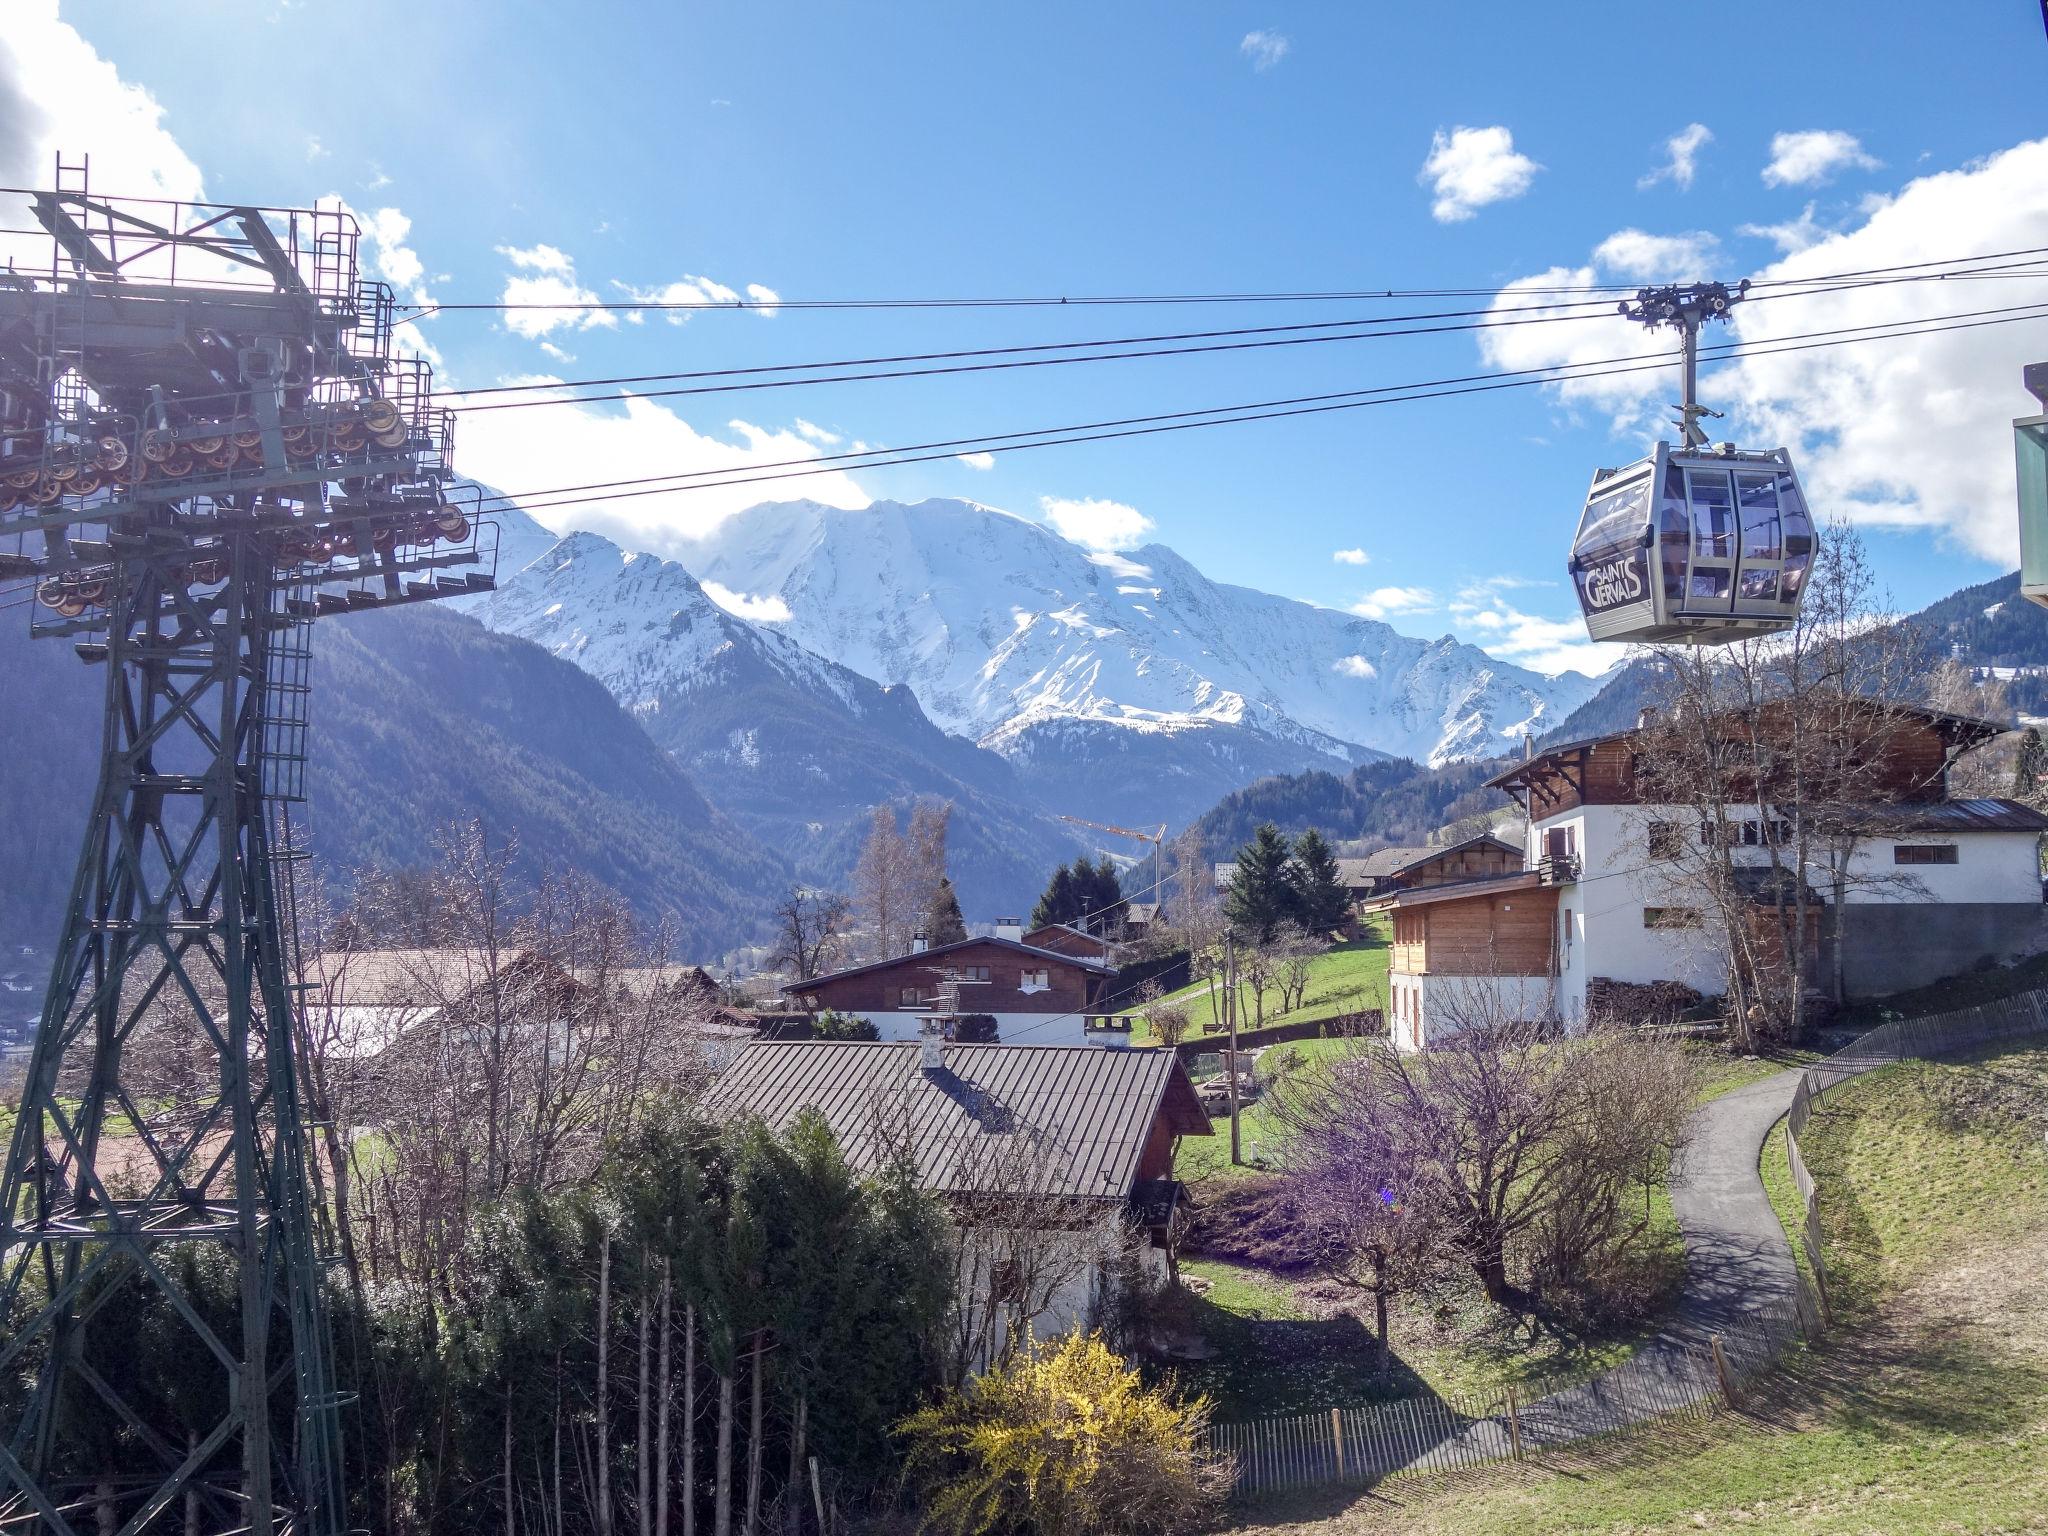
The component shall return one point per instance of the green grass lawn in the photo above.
(1925, 1411)
(1345, 976)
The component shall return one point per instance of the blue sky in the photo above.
(853, 151)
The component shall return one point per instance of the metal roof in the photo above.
(1052, 1120)
(1943, 816)
(926, 956)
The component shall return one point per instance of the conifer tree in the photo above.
(1260, 898)
(1320, 900)
(942, 922)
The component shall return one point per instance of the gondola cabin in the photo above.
(1699, 546)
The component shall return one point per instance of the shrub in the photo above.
(975, 1029)
(1065, 1439)
(1169, 1022)
(827, 1025)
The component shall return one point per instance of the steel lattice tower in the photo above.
(205, 443)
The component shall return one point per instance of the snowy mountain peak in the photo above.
(996, 622)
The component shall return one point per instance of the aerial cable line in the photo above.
(1071, 301)
(1143, 426)
(1537, 314)
(1008, 363)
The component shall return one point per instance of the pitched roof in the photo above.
(1063, 1121)
(1380, 864)
(1466, 890)
(1958, 729)
(926, 956)
(1947, 816)
(1424, 855)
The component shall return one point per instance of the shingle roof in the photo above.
(1377, 866)
(1061, 1121)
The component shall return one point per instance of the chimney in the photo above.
(931, 1046)
(1528, 746)
(1011, 928)
(918, 945)
(1647, 717)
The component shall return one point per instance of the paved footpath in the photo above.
(1739, 1270)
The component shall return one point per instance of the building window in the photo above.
(1565, 923)
(909, 997)
(1671, 917)
(1924, 853)
(1034, 981)
(974, 973)
(1666, 840)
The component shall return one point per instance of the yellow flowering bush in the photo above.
(1064, 1439)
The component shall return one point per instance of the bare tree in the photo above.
(1503, 1139)
(924, 848)
(809, 926)
(882, 886)
(1020, 1243)
(1770, 763)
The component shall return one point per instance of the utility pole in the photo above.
(1230, 1023)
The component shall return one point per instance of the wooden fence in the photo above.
(1683, 1373)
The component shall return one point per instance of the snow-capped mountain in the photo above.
(796, 748)
(1003, 629)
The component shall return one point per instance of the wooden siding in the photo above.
(1513, 934)
(1458, 864)
(1911, 754)
(879, 989)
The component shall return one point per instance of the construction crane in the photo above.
(1156, 839)
(206, 442)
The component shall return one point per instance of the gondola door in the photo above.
(1710, 584)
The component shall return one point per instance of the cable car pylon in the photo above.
(219, 447)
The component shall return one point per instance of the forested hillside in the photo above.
(1395, 803)
(420, 718)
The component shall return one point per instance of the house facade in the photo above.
(1911, 884)
(1038, 996)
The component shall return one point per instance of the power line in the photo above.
(1138, 426)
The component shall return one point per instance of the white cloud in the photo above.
(1469, 168)
(768, 608)
(544, 275)
(1807, 159)
(977, 460)
(557, 353)
(1907, 431)
(531, 450)
(1354, 666)
(57, 93)
(1096, 524)
(818, 434)
(315, 150)
(1350, 557)
(1579, 340)
(1383, 602)
(1792, 235)
(1527, 639)
(1680, 258)
(694, 292)
(1910, 432)
(1681, 157)
(1264, 49)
